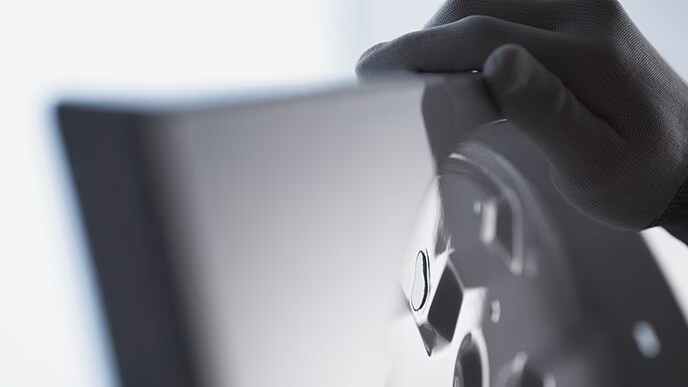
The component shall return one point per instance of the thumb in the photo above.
(537, 102)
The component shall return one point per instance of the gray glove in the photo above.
(583, 83)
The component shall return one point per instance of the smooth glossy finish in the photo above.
(421, 281)
(646, 339)
(469, 367)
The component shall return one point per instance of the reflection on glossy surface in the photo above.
(524, 374)
(469, 368)
(421, 281)
(646, 339)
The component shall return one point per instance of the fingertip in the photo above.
(506, 68)
(364, 65)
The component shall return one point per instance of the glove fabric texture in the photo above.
(581, 81)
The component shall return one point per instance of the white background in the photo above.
(51, 331)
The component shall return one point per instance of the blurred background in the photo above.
(51, 324)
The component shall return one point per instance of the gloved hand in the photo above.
(582, 82)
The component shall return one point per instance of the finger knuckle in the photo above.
(479, 24)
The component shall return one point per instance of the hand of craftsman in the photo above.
(581, 81)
